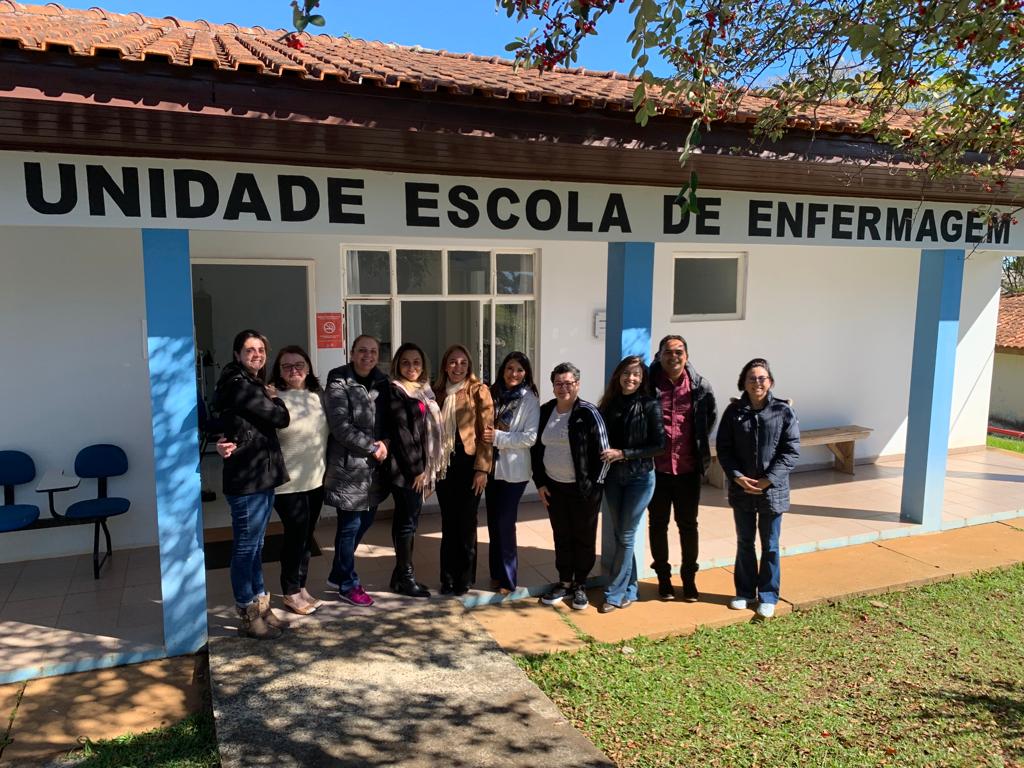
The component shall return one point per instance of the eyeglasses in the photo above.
(293, 367)
(757, 379)
(564, 384)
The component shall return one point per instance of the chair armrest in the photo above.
(55, 481)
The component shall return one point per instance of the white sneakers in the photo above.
(764, 610)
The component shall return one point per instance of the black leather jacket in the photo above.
(637, 419)
(587, 438)
(247, 417)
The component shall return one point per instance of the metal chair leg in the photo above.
(96, 562)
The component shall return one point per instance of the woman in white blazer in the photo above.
(516, 418)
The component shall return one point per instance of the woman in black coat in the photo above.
(636, 435)
(758, 445)
(249, 415)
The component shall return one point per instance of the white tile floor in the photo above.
(53, 610)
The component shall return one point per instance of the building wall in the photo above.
(1007, 405)
(75, 373)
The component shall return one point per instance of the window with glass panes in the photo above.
(436, 297)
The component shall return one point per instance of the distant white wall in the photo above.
(1008, 389)
(72, 332)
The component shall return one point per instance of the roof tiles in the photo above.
(1010, 330)
(228, 47)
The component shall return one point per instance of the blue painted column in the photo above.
(627, 332)
(172, 386)
(931, 386)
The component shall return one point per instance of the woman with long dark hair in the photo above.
(758, 445)
(249, 413)
(415, 458)
(516, 416)
(467, 454)
(636, 435)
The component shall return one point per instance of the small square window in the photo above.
(708, 286)
(419, 272)
(515, 273)
(469, 272)
(369, 273)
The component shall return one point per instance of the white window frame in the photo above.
(742, 260)
(492, 298)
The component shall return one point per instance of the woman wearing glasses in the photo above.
(303, 446)
(758, 445)
(569, 474)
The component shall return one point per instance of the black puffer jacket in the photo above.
(587, 438)
(406, 457)
(635, 427)
(358, 418)
(246, 416)
(759, 444)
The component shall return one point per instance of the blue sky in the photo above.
(454, 25)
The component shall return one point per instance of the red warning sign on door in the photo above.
(329, 330)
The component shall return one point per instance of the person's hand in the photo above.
(419, 482)
(763, 483)
(544, 494)
(488, 434)
(479, 482)
(271, 390)
(225, 447)
(609, 455)
(748, 485)
(381, 451)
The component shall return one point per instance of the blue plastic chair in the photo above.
(102, 462)
(16, 468)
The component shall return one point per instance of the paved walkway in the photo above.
(416, 683)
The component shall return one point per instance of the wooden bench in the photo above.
(839, 440)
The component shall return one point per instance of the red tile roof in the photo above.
(1010, 330)
(228, 47)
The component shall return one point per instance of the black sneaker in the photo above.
(555, 595)
(579, 598)
(690, 593)
(665, 589)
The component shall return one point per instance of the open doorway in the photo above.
(227, 297)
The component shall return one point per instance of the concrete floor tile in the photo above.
(527, 627)
(88, 602)
(965, 550)
(100, 622)
(56, 712)
(44, 610)
(836, 574)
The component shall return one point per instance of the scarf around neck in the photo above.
(434, 459)
(506, 403)
(449, 423)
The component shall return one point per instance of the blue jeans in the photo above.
(249, 517)
(351, 527)
(752, 518)
(627, 497)
(502, 509)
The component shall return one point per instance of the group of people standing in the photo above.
(292, 445)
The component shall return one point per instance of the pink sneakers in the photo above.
(357, 596)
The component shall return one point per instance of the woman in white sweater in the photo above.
(516, 416)
(304, 446)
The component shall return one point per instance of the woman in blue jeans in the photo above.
(636, 435)
(758, 445)
(249, 413)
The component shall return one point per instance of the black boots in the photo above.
(402, 579)
(665, 588)
(690, 593)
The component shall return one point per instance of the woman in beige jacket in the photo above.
(467, 424)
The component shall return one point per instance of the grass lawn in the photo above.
(928, 677)
(994, 441)
(191, 743)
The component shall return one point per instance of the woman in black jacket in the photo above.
(414, 456)
(249, 415)
(636, 434)
(758, 445)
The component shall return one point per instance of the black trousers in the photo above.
(299, 513)
(502, 511)
(459, 507)
(574, 526)
(679, 494)
(406, 517)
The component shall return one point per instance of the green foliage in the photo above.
(929, 677)
(1013, 274)
(935, 81)
(1006, 443)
